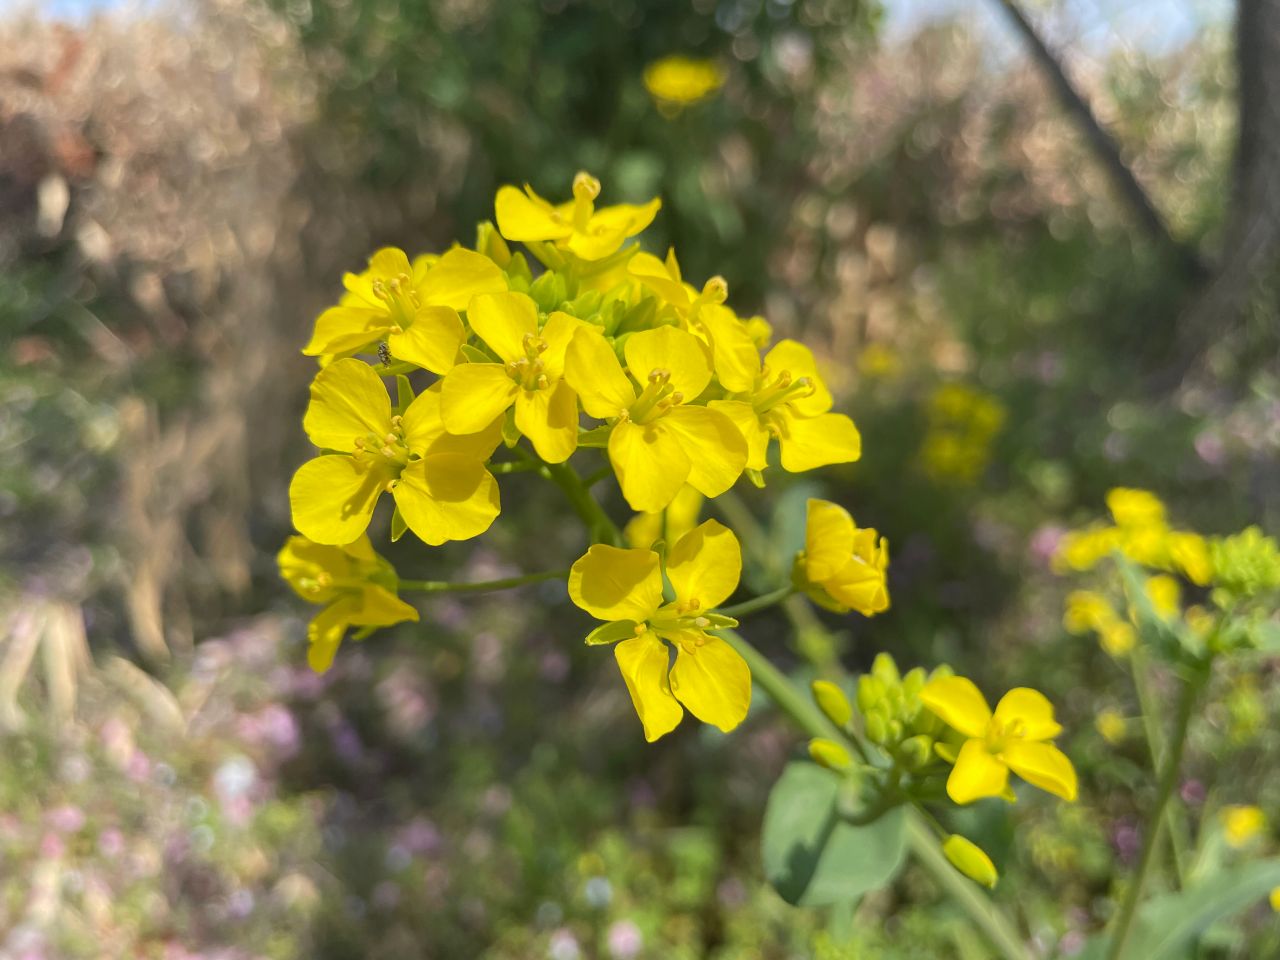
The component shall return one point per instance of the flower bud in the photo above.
(886, 669)
(833, 702)
(830, 754)
(917, 751)
(969, 859)
(877, 728)
(871, 692)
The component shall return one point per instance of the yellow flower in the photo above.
(577, 226)
(1240, 824)
(475, 394)
(676, 82)
(1111, 725)
(356, 587)
(788, 400)
(1190, 554)
(1086, 610)
(646, 529)
(971, 860)
(1274, 899)
(1135, 508)
(659, 439)
(879, 362)
(413, 307)
(1081, 550)
(1165, 595)
(439, 481)
(1118, 639)
(624, 588)
(843, 567)
(1014, 738)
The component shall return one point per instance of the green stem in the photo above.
(805, 713)
(1138, 664)
(483, 586)
(1155, 820)
(603, 530)
(755, 604)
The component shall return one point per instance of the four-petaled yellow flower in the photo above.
(624, 587)
(577, 226)
(843, 567)
(413, 307)
(356, 587)
(660, 440)
(1014, 738)
(439, 481)
(1241, 824)
(529, 376)
(788, 400)
(677, 81)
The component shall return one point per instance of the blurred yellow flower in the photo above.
(355, 586)
(625, 589)
(677, 81)
(963, 423)
(1165, 595)
(646, 529)
(971, 860)
(1240, 824)
(1111, 725)
(842, 566)
(1089, 611)
(1015, 738)
(879, 361)
(1274, 899)
(576, 226)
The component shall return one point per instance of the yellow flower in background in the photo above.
(439, 481)
(624, 588)
(529, 377)
(1274, 899)
(843, 567)
(646, 529)
(788, 400)
(1087, 611)
(878, 361)
(413, 307)
(660, 440)
(1134, 508)
(1014, 738)
(971, 860)
(1165, 595)
(356, 587)
(963, 423)
(577, 226)
(1190, 554)
(1241, 824)
(677, 81)
(1111, 725)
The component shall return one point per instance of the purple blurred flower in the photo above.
(1044, 542)
(1126, 839)
(1210, 448)
(563, 946)
(625, 940)
(65, 819)
(1192, 792)
(111, 843)
(554, 666)
(420, 837)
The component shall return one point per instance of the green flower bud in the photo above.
(877, 728)
(830, 754)
(917, 751)
(969, 858)
(832, 702)
(871, 692)
(884, 667)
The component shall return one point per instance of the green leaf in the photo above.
(1166, 925)
(811, 856)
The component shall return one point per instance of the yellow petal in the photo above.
(593, 370)
(977, 774)
(828, 539)
(1042, 765)
(303, 563)
(747, 421)
(1030, 708)
(424, 430)
(807, 443)
(672, 350)
(473, 395)
(432, 340)
(549, 418)
(447, 496)
(460, 275)
(557, 333)
(348, 400)
(643, 662)
(609, 227)
(859, 586)
(503, 320)
(650, 462)
(655, 275)
(379, 607)
(333, 497)
(705, 565)
(615, 584)
(524, 217)
(797, 359)
(716, 449)
(389, 263)
(959, 704)
(711, 679)
(735, 357)
(326, 629)
(343, 329)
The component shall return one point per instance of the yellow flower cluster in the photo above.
(963, 424)
(676, 82)
(842, 567)
(1089, 611)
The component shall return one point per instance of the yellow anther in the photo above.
(388, 451)
(676, 397)
(391, 438)
(359, 443)
(390, 485)
(585, 186)
(396, 328)
(716, 290)
(641, 629)
(542, 381)
(396, 420)
(659, 375)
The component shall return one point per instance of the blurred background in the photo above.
(1036, 245)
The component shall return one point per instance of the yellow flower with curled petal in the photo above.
(788, 400)
(413, 307)
(529, 377)
(842, 566)
(677, 81)
(1241, 824)
(577, 226)
(659, 439)
(624, 588)
(438, 480)
(1014, 738)
(646, 529)
(356, 587)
